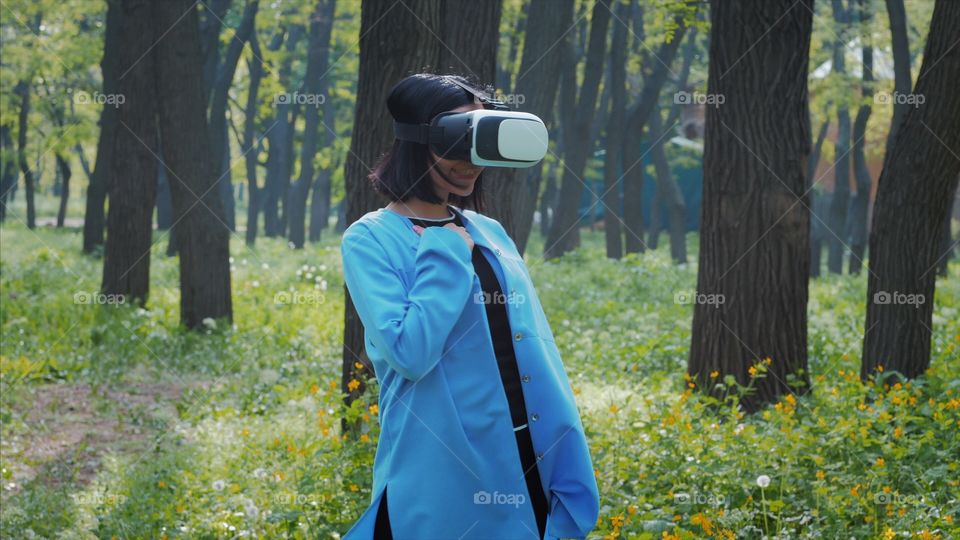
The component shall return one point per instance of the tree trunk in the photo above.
(320, 199)
(280, 136)
(218, 109)
(23, 90)
(841, 183)
(637, 117)
(668, 192)
(612, 163)
(202, 236)
(8, 180)
(537, 81)
(65, 174)
(751, 301)
(817, 201)
(564, 233)
(251, 144)
(860, 203)
(913, 198)
(389, 51)
(126, 264)
(901, 65)
(471, 33)
(315, 85)
(94, 214)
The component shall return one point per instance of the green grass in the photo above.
(118, 423)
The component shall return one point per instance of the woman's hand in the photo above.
(456, 228)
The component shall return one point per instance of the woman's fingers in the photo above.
(462, 232)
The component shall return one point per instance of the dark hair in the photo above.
(404, 170)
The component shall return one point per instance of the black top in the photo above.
(495, 303)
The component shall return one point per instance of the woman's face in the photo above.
(462, 174)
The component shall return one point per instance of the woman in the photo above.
(480, 435)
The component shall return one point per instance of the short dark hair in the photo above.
(403, 171)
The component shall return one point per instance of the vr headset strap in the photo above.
(419, 133)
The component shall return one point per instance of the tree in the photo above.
(914, 195)
(537, 81)
(902, 79)
(856, 229)
(318, 58)
(94, 214)
(23, 90)
(612, 162)
(754, 246)
(202, 235)
(841, 183)
(564, 234)
(133, 166)
(389, 51)
(250, 141)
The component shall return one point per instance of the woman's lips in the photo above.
(464, 176)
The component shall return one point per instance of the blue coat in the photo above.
(447, 452)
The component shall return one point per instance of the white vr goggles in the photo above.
(484, 137)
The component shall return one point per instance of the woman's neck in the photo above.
(414, 207)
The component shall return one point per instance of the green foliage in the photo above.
(250, 442)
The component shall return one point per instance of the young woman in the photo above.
(480, 435)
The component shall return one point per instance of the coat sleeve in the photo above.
(409, 326)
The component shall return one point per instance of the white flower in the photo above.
(210, 323)
(763, 480)
(218, 485)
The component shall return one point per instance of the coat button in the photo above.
(539, 455)
(535, 417)
(525, 378)
(497, 251)
(518, 336)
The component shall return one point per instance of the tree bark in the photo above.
(202, 235)
(537, 81)
(612, 162)
(280, 137)
(841, 184)
(65, 174)
(913, 198)
(564, 232)
(860, 203)
(389, 51)
(316, 83)
(126, 264)
(251, 144)
(23, 90)
(8, 180)
(754, 232)
(637, 117)
(94, 216)
(818, 200)
(902, 77)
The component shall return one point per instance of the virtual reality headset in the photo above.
(490, 137)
